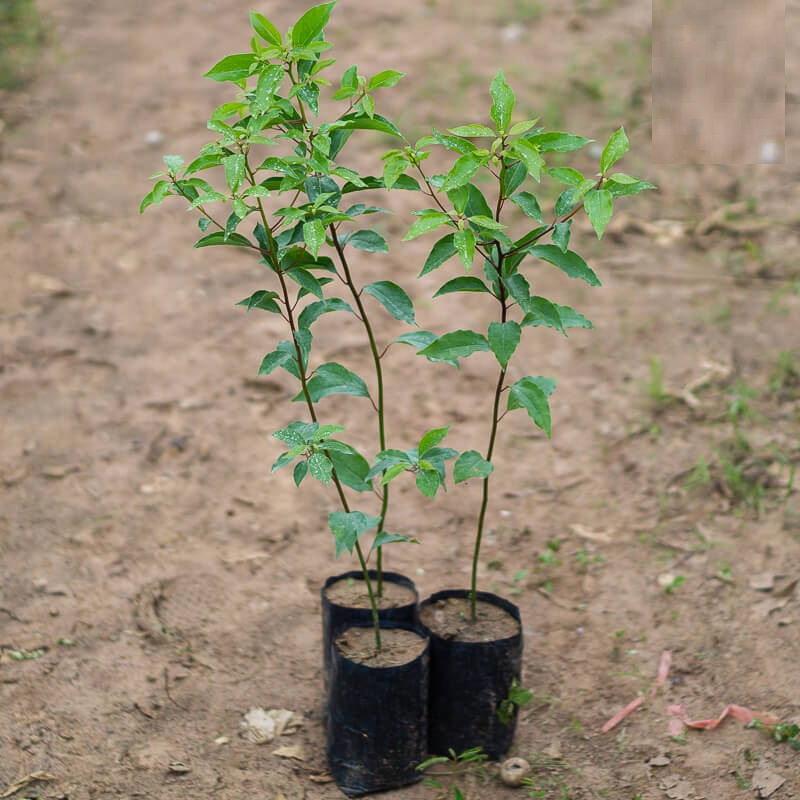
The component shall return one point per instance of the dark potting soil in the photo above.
(398, 646)
(353, 594)
(450, 619)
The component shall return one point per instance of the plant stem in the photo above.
(376, 359)
(272, 254)
(473, 602)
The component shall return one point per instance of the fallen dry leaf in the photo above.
(260, 726)
(26, 781)
(766, 781)
(290, 751)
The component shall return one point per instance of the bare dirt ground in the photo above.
(156, 583)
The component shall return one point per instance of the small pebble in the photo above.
(770, 153)
(514, 770)
(153, 137)
(513, 32)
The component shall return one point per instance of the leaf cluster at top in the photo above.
(285, 190)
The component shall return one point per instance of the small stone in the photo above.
(770, 153)
(153, 138)
(513, 771)
(513, 32)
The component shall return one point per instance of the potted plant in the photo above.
(476, 637)
(285, 192)
(282, 177)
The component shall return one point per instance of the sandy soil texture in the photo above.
(156, 583)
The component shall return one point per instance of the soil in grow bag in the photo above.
(377, 721)
(345, 602)
(473, 667)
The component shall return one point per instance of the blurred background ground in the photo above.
(134, 487)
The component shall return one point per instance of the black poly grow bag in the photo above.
(377, 721)
(469, 681)
(336, 618)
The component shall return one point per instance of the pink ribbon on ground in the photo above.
(678, 717)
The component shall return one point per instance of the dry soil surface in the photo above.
(156, 583)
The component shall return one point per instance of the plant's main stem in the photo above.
(272, 254)
(473, 595)
(376, 358)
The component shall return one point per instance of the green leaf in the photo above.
(531, 394)
(219, 237)
(528, 204)
(564, 203)
(428, 482)
(320, 467)
(561, 235)
(529, 155)
(599, 207)
(389, 77)
(393, 472)
(348, 527)
(442, 251)
(351, 469)
(393, 168)
(428, 221)
(314, 235)
(455, 345)
(234, 170)
(621, 177)
(519, 288)
(466, 283)
(503, 103)
(503, 339)
(518, 128)
(313, 311)
(305, 279)
(156, 195)
(463, 169)
(616, 147)
(285, 356)
(300, 471)
(387, 538)
(464, 242)
(573, 319)
(487, 222)
(570, 262)
(350, 78)
(566, 175)
(333, 378)
(357, 121)
(471, 464)
(555, 141)
(173, 162)
(263, 300)
(393, 299)
(233, 68)
(369, 241)
(281, 357)
(325, 431)
(389, 458)
(265, 29)
(472, 130)
(622, 189)
(476, 202)
(310, 26)
(286, 458)
(513, 176)
(268, 82)
(541, 312)
(431, 439)
(296, 434)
